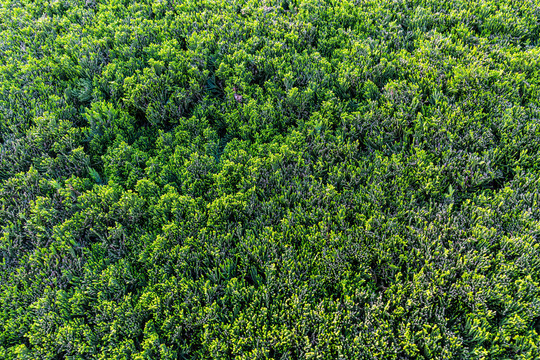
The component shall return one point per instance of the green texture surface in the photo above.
(269, 179)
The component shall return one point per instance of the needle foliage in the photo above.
(278, 179)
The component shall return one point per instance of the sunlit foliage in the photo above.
(289, 179)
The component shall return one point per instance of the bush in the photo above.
(291, 179)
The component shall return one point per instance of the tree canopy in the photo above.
(292, 179)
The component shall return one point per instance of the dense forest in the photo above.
(261, 179)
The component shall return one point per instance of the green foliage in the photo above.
(288, 179)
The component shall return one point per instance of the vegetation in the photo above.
(292, 179)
